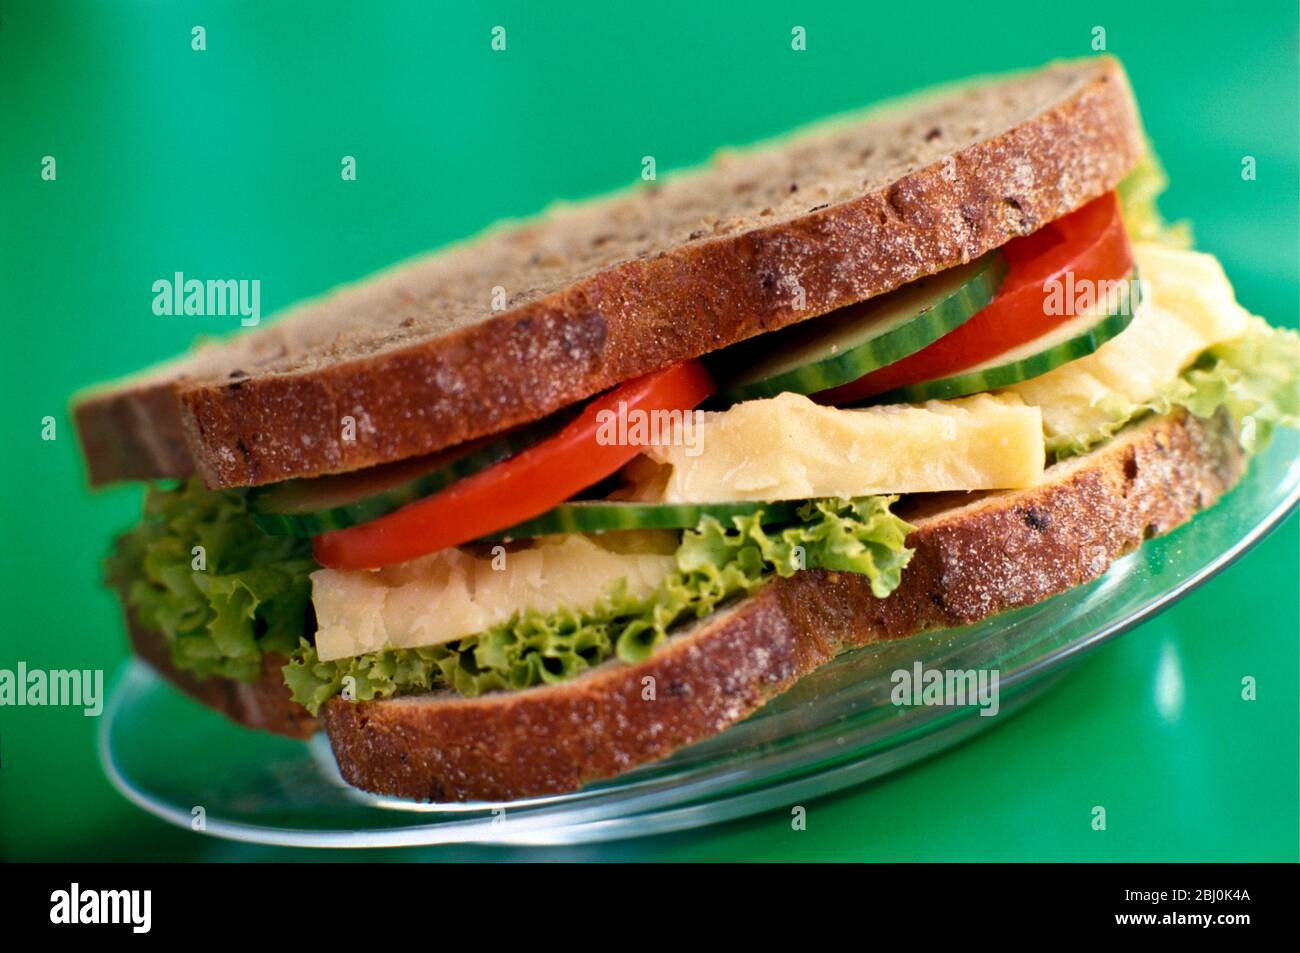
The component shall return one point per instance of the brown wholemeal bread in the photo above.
(997, 551)
(602, 292)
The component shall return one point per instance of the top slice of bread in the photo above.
(605, 291)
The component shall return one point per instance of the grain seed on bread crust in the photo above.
(608, 290)
(1001, 551)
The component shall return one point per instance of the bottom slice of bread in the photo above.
(974, 556)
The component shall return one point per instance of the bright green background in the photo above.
(226, 163)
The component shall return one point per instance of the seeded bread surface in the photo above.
(601, 292)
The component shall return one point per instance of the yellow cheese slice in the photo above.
(1189, 306)
(453, 593)
(789, 448)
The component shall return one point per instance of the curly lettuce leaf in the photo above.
(1138, 194)
(253, 595)
(1255, 378)
(713, 565)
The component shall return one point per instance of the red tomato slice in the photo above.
(517, 489)
(1090, 242)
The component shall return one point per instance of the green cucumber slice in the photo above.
(315, 505)
(601, 516)
(842, 346)
(1075, 338)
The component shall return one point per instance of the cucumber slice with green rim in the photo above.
(1075, 338)
(315, 505)
(602, 516)
(840, 347)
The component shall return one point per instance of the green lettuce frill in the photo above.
(713, 564)
(1255, 378)
(241, 594)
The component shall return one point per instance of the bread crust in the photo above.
(264, 703)
(999, 551)
(239, 423)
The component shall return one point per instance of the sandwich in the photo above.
(550, 504)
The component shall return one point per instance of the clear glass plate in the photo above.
(835, 728)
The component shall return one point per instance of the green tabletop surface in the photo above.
(226, 161)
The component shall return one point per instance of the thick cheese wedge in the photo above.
(452, 593)
(789, 448)
(1189, 307)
